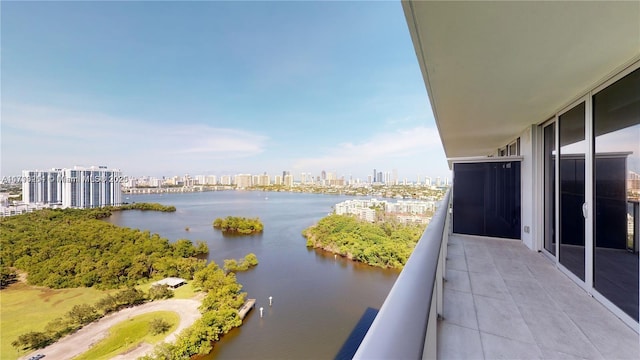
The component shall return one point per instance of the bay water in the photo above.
(318, 298)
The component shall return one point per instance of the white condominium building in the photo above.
(243, 181)
(42, 187)
(78, 187)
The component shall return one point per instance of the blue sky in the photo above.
(165, 88)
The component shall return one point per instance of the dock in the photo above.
(248, 305)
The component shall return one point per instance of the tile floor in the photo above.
(504, 301)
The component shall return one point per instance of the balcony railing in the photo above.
(406, 326)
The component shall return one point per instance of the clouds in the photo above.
(45, 137)
(228, 88)
(388, 149)
(34, 136)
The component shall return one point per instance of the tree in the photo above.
(131, 296)
(59, 327)
(201, 247)
(233, 265)
(83, 314)
(158, 326)
(251, 259)
(62, 248)
(230, 265)
(239, 225)
(7, 276)
(160, 292)
(386, 244)
(32, 340)
(107, 304)
(183, 248)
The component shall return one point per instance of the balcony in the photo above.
(500, 300)
(504, 301)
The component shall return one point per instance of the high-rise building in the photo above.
(243, 181)
(263, 180)
(78, 187)
(42, 187)
(90, 187)
(225, 180)
(288, 180)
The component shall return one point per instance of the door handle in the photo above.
(584, 210)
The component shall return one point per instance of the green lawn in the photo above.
(25, 308)
(129, 334)
(183, 292)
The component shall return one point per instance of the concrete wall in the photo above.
(527, 170)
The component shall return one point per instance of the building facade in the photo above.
(555, 163)
(42, 187)
(537, 106)
(78, 187)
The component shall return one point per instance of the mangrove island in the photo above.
(240, 225)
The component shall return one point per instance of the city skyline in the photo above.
(265, 178)
(227, 88)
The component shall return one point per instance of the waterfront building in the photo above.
(412, 207)
(21, 208)
(288, 180)
(133, 182)
(410, 211)
(225, 180)
(188, 181)
(277, 180)
(363, 209)
(42, 187)
(537, 107)
(243, 181)
(263, 180)
(90, 187)
(78, 187)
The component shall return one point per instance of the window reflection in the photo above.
(616, 119)
(572, 184)
(549, 188)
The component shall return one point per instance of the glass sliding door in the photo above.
(550, 188)
(573, 148)
(616, 124)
